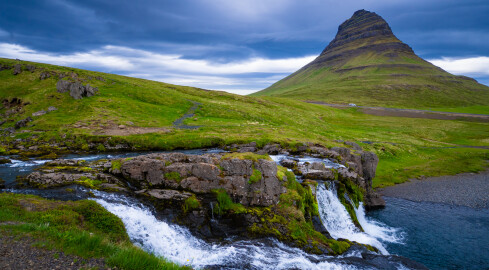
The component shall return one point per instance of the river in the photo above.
(437, 235)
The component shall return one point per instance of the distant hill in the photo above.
(367, 64)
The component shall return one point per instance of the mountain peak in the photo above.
(365, 26)
(367, 64)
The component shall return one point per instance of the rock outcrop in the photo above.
(22, 123)
(203, 174)
(77, 89)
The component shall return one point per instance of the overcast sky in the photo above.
(238, 46)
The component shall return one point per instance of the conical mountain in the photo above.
(367, 64)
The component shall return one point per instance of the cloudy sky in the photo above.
(238, 46)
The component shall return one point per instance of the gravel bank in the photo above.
(467, 189)
(18, 253)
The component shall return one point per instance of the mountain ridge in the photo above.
(367, 64)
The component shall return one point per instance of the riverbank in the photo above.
(466, 189)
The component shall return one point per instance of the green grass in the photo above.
(225, 203)
(226, 119)
(82, 228)
(377, 79)
(255, 177)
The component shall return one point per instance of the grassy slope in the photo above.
(377, 84)
(82, 228)
(227, 118)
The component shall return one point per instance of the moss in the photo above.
(101, 219)
(116, 164)
(281, 173)
(191, 203)
(225, 204)
(101, 148)
(87, 182)
(255, 177)
(175, 176)
(247, 155)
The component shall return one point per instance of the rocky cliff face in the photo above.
(240, 193)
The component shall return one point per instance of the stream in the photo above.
(438, 236)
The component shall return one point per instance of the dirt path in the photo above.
(467, 189)
(19, 253)
(411, 113)
(191, 113)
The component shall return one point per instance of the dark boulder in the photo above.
(30, 68)
(17, 69)
(4, 160)
(63, 86)
(5, 67)
(77, 89)
(22, 123)
(369, 165)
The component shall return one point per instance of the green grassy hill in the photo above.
(367, 64)
(406, 147)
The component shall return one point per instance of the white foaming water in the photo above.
(179, 245)
(327, 163)
(339, 224)
(377, 229)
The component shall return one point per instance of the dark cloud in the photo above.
(225, 31)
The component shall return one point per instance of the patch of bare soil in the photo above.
(110, 128)
(19, 253)
(118, 131)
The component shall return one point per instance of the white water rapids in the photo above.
(339, 224)
(177, 244)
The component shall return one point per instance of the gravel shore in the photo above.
(466, 189)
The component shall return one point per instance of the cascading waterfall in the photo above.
(177, 244)
(338, 222)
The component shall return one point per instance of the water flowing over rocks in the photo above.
(242, 194)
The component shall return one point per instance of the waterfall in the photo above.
(377, 229)
(338, 222)
(177, 244)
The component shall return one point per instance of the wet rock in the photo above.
(288, 163)
(272, 149)
(2, 183)
(168, 194)
(17, 69)
(318, 226)
(4, 160)
(22, 123)
(373, 200)
(39, 113)
(391, 262)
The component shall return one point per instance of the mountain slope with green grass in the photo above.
(141, 114)
(368, 65)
